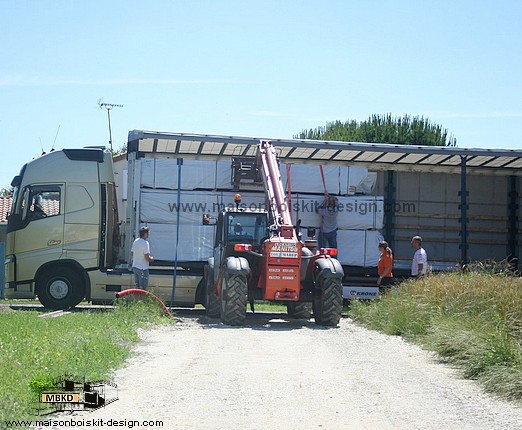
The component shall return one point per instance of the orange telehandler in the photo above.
(259, 256)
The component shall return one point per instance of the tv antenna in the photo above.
(109, 107)
(55, 137)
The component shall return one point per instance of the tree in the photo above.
(6, 191)
(121, 150)
(406, 130)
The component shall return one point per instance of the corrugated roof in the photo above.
(51, 207)
(377, 156)
(5, 207)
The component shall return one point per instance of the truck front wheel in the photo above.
(60, 288)
(328, 307)
(233, 299)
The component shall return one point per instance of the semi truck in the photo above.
(75, 213)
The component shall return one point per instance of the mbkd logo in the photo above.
(61, 398)
(71, 394)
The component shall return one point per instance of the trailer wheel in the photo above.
(212, 304)
(233, 299)
(60, 288)
(327, 309)
(299, 310)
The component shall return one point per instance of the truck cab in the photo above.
(62, 225)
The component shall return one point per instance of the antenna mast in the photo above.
(109, 107)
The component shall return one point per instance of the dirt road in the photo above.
(280, 374)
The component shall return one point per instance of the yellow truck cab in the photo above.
(63, 236)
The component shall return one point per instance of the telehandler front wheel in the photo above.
(327, 308)
(233, 299)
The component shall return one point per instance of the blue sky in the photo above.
(255, 68)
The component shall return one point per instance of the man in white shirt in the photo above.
(141, 258)
(420, 258)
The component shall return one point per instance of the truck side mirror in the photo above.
(209, 220)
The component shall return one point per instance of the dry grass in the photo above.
(473, 320)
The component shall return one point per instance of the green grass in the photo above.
(264, 306)
(472, 320)
(35, 350)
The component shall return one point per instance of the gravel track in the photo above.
(283, 374)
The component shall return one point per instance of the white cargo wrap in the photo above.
(206, 188)
(307, 178)
(160, 206)
(208, 174)
(356, 247)
(355, 212)
(195, 242)
(359, 247)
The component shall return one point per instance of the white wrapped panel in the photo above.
(306, 178)
(358, 247)
(367, 185)
(160, 206)
(224, 174)
(147, 172)
(194, 174)
(356, 175)
(166, 173)
(195, 242)
(198, 174)
(355, 212)
(372, 253)
(351, 246)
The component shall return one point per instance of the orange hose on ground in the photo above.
(140, 292)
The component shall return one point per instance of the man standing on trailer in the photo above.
(328, 211)
(419, 264)
(141, 258)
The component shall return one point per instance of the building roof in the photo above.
(376, 156)
(50, 207)
(5, 207)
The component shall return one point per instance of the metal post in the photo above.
(108, 106)
(463, 211)
(513, 217)
(389, 207)
(175, 275)
(110, 132)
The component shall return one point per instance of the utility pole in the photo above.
(109, 107)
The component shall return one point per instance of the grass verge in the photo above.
(34, 351)
(472, 320)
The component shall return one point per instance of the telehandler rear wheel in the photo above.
(299, 310)
(327, 309)
(233, 299)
